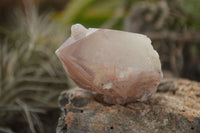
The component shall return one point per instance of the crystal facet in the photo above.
(122, 66)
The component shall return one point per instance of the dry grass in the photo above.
(31, 75)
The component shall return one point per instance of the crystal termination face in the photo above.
(121, 66)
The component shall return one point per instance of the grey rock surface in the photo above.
(165, 112)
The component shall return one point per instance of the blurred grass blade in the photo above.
(27, 114)
(73, 10)
(5, 130)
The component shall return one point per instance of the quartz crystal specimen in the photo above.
(121, 66)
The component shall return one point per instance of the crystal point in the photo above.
(122, 66)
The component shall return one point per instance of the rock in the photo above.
(165, 112)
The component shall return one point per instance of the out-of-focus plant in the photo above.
(93, 13)
(31, 75)
(192, 7)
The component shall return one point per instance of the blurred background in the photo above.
(31, 76)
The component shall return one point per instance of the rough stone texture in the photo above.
(175, 108)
